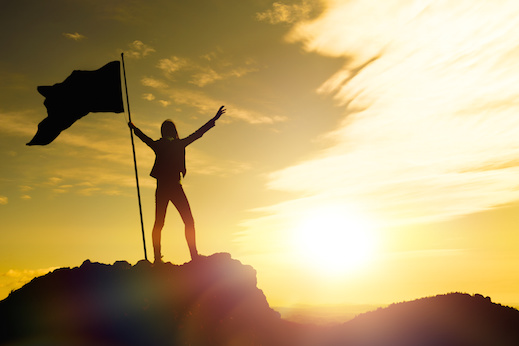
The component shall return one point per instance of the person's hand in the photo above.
(220, 112)
(131, 125)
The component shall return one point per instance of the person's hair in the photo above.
(168, 129)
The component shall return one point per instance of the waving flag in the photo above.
(79, 94)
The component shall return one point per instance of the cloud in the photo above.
(102, 139)
(139, 50)
(15, 278)
(149, 97)
(131, 12)
(26, 274)
(204, 164)
(4, 200)
(18, 123)
(75, 36)
(205, 76)
(153, 83)
(54, 180)
(202, 73)
(210, 56)
(25, 188)
(283, 13)
(205, 104)
(107, 183)
(430, 102)
(90, 191)
(171, 65)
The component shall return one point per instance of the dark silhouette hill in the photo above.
(455, 319)
(215, 301)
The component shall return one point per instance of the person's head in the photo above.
(168, 129)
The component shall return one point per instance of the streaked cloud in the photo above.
(153, 83)
(205, 76)
(138, 49)
(26, 188)
(54, 180)
(149, 97)
(75, 36)
(211, 67)
(18, 123)
(284, 13)
(16, 278)
(206, 104)
(209, 56)
(171, 65)
(100, 171)
(430, 100)
(204, 164)
(90, 191)
(100, 167)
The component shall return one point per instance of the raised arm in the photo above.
(220, 112)
(199, 133)
(141, 134)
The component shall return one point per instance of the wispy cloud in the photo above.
(149, 97)
(137, 50)
(210, 69)
(101, 167)
(15, 278)
(205, 76)
(204, 164)
(26, 188)
(430, 98)
(75, 36)
(205, 71)
(17, 123)
(172, 65)
(99, 172)
(153, 83)
(206, 104)
(284, 13)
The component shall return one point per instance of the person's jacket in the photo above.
(170, 153)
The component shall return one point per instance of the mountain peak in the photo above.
(215, 301)
(141, 304)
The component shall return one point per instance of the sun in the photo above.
(334, 241)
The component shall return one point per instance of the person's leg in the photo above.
(161, 205)
(181, 203)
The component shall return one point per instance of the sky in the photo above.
(369, 153)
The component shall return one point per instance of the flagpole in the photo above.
(134, 159)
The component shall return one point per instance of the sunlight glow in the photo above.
(430, 97)
(334, 241)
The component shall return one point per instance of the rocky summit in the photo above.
(215, 301)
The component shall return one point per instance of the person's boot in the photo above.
(158, 258)
(194, 254)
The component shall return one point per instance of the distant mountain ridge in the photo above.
(215, 301)
(455, 319)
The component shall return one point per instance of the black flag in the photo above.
(81, 93)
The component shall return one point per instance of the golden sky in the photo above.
(369, 153)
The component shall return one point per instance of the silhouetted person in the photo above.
(170, 163)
